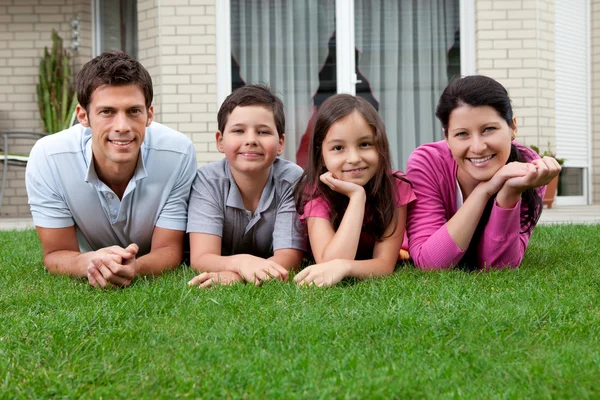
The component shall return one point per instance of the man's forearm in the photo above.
(67, 262)
(158, 260)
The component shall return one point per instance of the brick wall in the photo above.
(25, 29)
(595, 61)
(178, 46)
(515, 45)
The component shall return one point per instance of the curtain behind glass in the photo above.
(118, 26)
(403, 48)
(283, 44)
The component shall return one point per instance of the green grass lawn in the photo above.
(533, 332)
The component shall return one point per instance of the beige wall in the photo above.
(178, 47)
(515, 45)
(595, 50)
(25, 29)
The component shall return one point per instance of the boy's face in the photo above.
(250, 140)
(118, 118)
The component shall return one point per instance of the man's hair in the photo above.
(252, 95)
(112, 68)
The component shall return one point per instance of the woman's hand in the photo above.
(346, 188)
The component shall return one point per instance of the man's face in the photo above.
(118, 118)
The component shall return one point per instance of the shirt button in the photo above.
(109, 196)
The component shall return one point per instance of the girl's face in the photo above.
(479, 139)
(349, 150)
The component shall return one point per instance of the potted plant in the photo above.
(552, 187)
(55, 90)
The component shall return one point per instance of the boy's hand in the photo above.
(113, 266)
(346, 188)
(256, 270)
(325, 274)
(210, 279)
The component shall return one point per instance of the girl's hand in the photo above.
(346, 188)
(326, 274)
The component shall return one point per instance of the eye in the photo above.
(337, 148)
(490, 129)
(106, 112)
(237, 130)
(135, 111)
(460, 134)
(366, 145)
(264, 132)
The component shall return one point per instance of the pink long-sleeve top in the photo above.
(432, 171)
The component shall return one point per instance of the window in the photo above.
(399, 55)
(116, 26)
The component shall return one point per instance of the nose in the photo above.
(353, 156)
(478, 144)
(251, 138)
(122, 123)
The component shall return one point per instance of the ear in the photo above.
(514, 128)
(280, 145)
(219, 140)
(82, 116)
(150, 115)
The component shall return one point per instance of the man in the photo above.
(109, 196)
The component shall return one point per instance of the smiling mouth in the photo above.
(479, 161)
(121, 142)
(250, 154)
(355, 170)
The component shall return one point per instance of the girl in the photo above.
(479, 192)
(353, 204)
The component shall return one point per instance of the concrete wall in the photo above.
(25, 29)
(595, 53)
(178, 47)
(515, 45)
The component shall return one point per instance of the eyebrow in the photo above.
(114, 108)
(366, 137)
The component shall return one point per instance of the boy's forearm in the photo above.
(287, 258)
(158, 260)
(214, 263)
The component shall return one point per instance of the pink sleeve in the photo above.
(430, 244)
(502, 243)
(404, 193)
(316, 208)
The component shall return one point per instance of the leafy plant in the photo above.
(548, 153)
(55, 90)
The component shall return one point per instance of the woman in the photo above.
(478, 192)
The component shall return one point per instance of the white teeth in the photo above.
(480, 160)
(120, 143)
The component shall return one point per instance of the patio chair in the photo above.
(7, 158)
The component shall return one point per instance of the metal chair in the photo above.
(7, 158)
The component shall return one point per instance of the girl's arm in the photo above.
(327, 244)
(385, 257)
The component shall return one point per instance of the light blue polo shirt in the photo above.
(64, 189)
(217, 208)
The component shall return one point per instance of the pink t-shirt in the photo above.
(319, 208)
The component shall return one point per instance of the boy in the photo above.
(242, 219)
(109, 196)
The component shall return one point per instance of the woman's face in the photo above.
(479, 139)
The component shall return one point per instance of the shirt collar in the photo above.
(234, 198)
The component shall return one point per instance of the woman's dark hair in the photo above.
(380, 190)
(476, 91)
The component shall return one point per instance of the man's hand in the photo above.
(256, 270)
(113, 266)
(346, 188)
(210, 279)
(325, 274)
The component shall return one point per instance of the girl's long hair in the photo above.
(476, 91)
(380, 190)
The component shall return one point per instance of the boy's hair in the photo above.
(252, 95)
(114, 68)
(380, 190)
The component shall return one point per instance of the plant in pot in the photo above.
(55, 90)
(552, 187)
